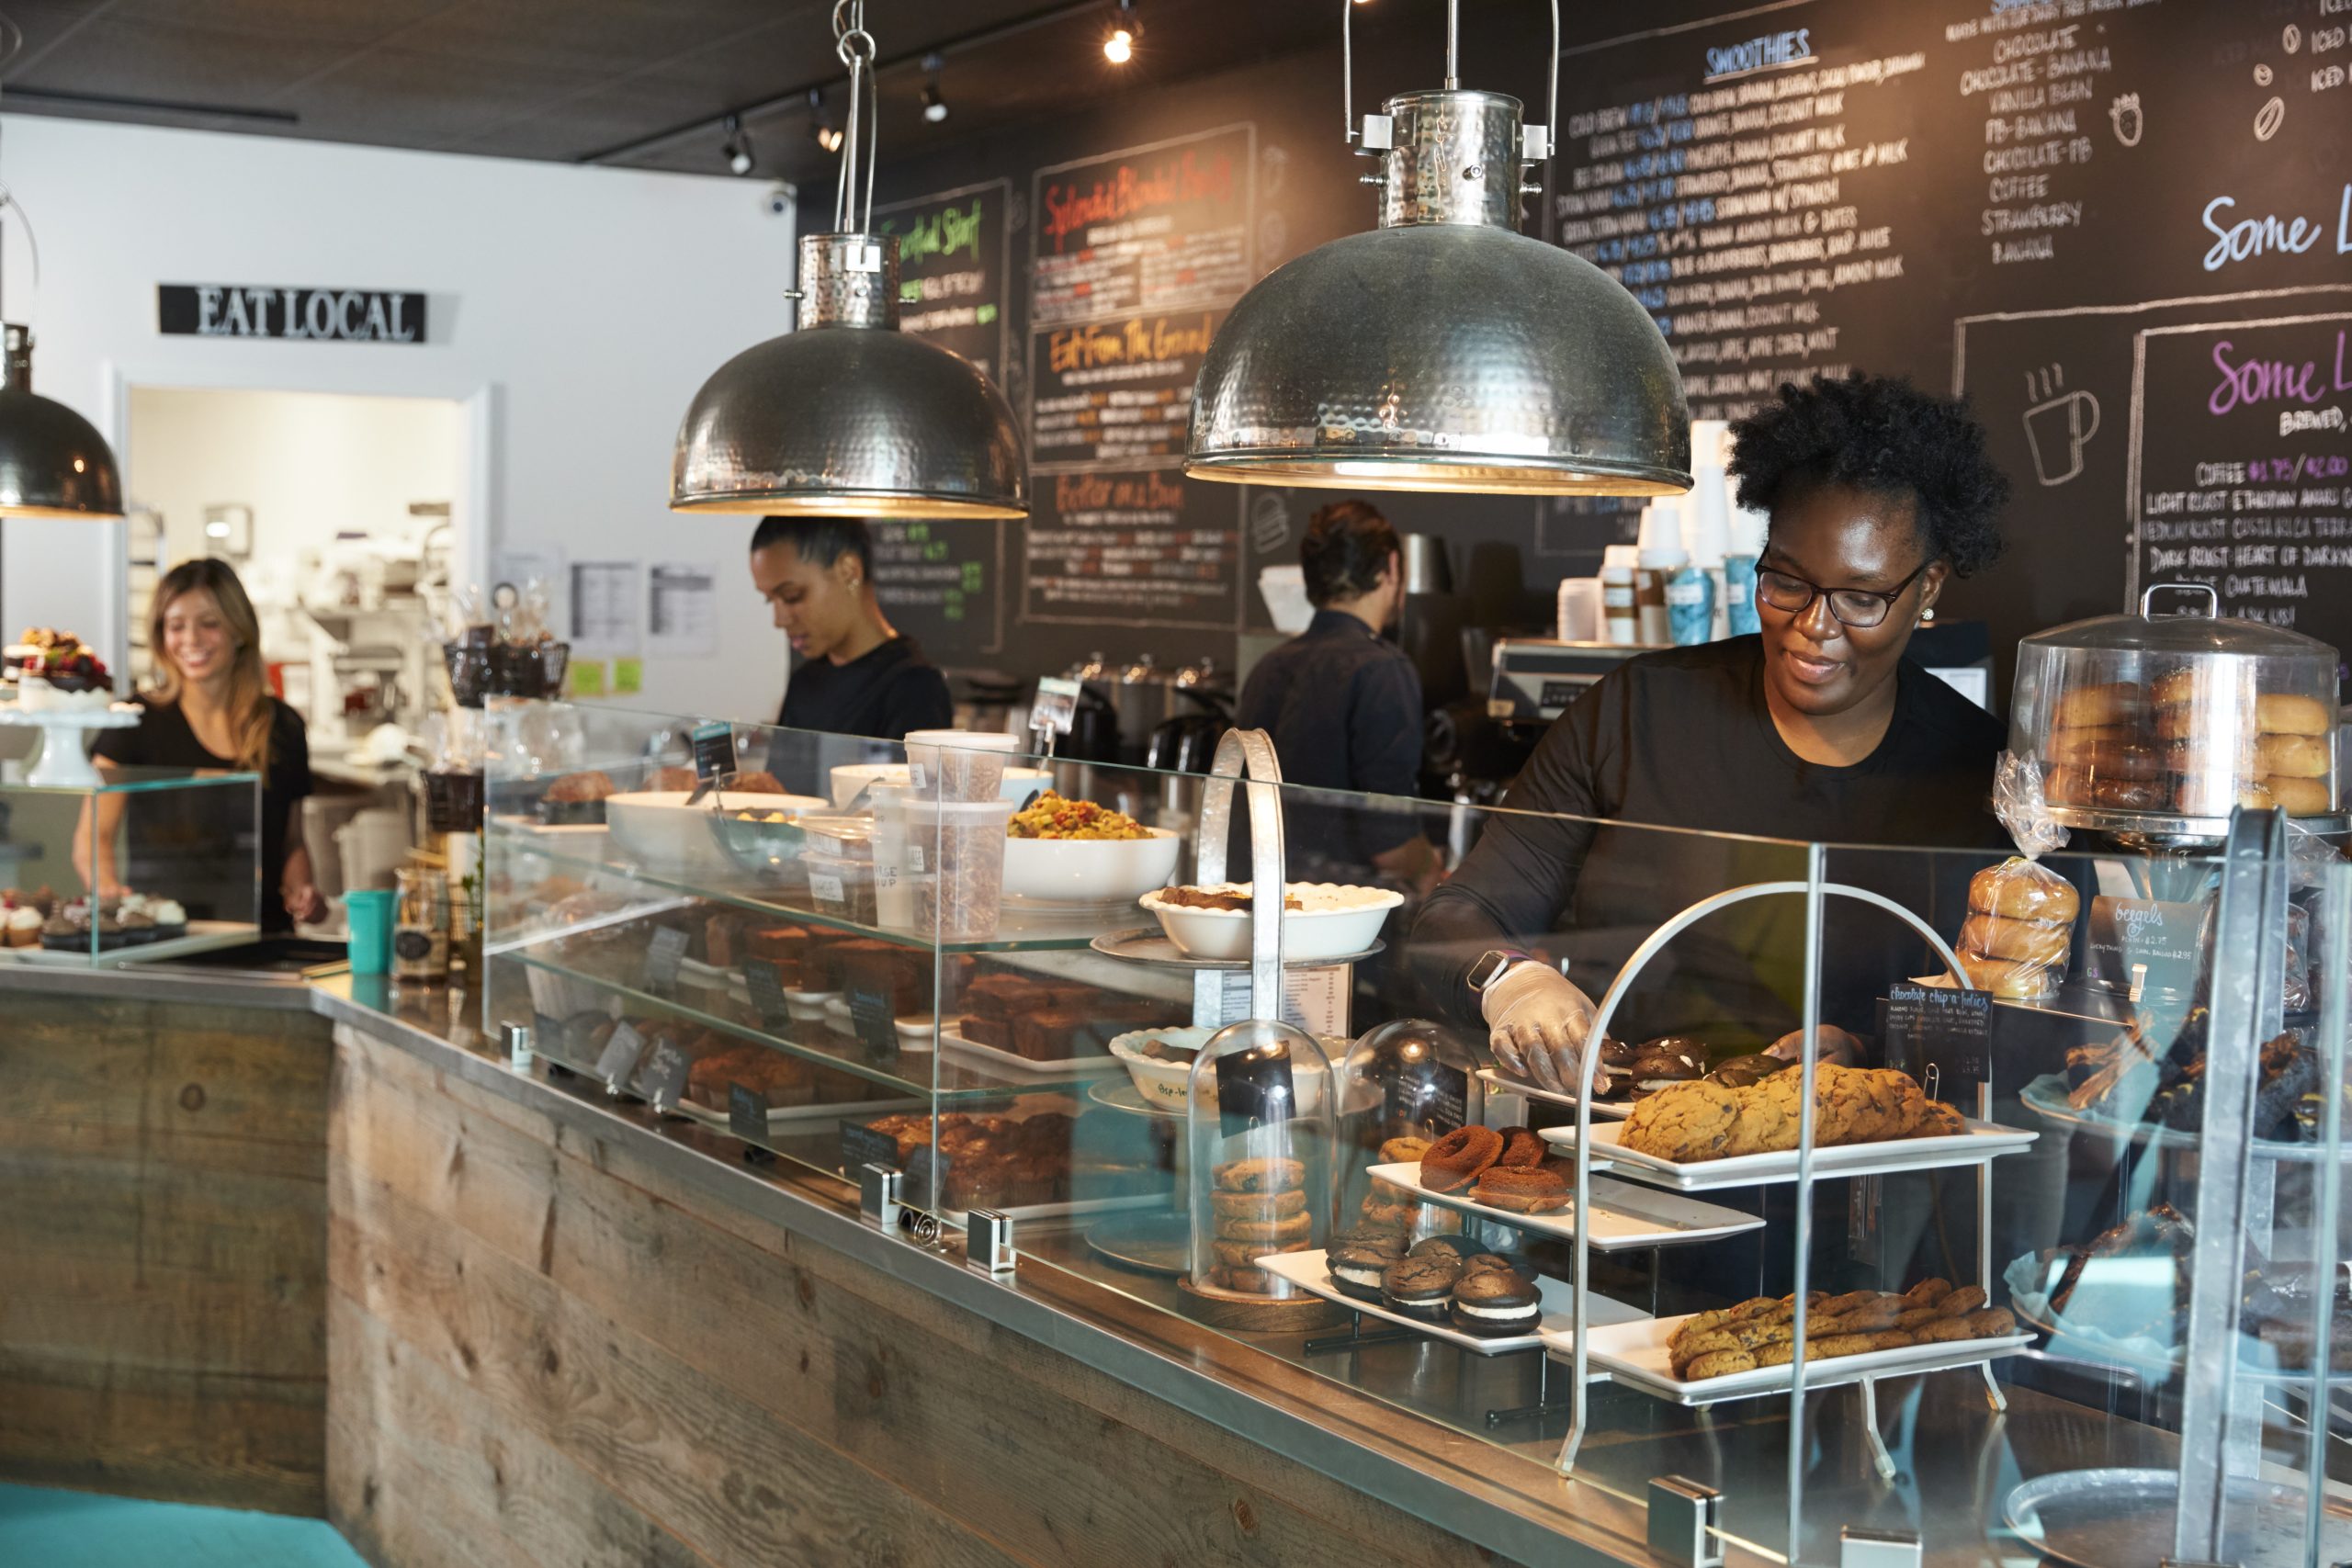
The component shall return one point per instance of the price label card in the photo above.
(714, 746)
(875, 1013)
(766, 986)
(667, 1067)
(862, 1145)
(1427, 1095)
(621, 1051)
(662, 957)
(1255, 1087)
(747, 1113)
(1946, 1033)
(1056, 708)
(826, 888)
(926, 1182)
(1313, 999)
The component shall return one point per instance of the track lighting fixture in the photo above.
(737, 148)
(934, 103)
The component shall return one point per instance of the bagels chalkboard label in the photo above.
(2144, 947)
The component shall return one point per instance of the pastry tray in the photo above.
(1501, 1082)
(1623, 1215)
(1307, 1271)
(1982, 1142)
(1100, 1064)
(2046, 1097)
(1635, 1355)
(1150, 944)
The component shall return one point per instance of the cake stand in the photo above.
(64, 759)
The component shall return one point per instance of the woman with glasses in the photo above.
(1820, 729)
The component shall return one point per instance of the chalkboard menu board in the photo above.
(2092, 216)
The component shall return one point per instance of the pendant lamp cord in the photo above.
(12, 44)
(1453, 70)
(854, 46)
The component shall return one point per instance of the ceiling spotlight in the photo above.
(737, 148)
(1119, 43)
(934, 103)
(822, 129)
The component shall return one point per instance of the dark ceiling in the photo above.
(633, 82)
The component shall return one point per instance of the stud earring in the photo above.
(1928, 616)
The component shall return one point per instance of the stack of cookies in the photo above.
(1505, 1168)
(1696, 1122)
(1439, 1280)
(2019, 929)
(1762, 1332)
(1257, 1206)
(1391, 1207)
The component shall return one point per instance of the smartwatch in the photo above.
(1491, 965)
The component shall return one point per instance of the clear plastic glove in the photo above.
(1538, 1024)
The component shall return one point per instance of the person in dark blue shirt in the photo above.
(1344, 706)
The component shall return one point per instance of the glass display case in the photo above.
(1842, 1244)
(142, 864)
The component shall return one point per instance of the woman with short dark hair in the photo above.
(1820, 729)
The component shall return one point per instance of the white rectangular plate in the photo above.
(1635, 1355)
(1501, 1082)
(1307, 1271)
(1623, 1215)
(1092, 1065)
(1980, 1142)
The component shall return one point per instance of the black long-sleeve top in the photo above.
(1683, 739)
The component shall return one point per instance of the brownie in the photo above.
(889, 969)
(996, 1031)
(1048, 1034)
(1003, 996)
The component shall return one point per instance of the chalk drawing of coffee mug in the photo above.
(2058, 430)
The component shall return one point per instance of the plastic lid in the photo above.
(964, 740)
(2184, 634)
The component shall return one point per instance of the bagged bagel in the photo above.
(2019, 930)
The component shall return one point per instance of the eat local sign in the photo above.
(254, 309)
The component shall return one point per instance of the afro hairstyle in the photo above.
(1878, 434)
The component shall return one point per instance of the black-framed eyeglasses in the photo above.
(1860, 608)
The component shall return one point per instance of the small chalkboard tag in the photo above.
(714, 746)
(1937, 1031)
(662, 957)
(620, 1060)
(2146, 947)
(1254, 1088)
(766, 986)
(746, 1112)
(1056, 708)
(873, 1011)
(862, 1145)
(1429, 1095)
(666, 1071)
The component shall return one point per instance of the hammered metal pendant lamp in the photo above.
(849, 417)
(1443, 350)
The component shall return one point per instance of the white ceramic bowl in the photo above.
(851, 777)
(1089, 870)
(1338, 920)
(660, 832)
(1164, 1085)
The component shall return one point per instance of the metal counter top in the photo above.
(1391, 1420)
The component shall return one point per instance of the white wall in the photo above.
(311, 465)
(575, 310)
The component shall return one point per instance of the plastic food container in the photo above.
(2139, 719)
(841, 889)
(850, 778)
(957, 764)
(841, 837)
(956, 859)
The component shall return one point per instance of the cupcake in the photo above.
(24, 926)
(171, 919)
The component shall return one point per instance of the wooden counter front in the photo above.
(163, 1249)
(542, 1351)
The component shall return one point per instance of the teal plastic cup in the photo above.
(369, 915)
